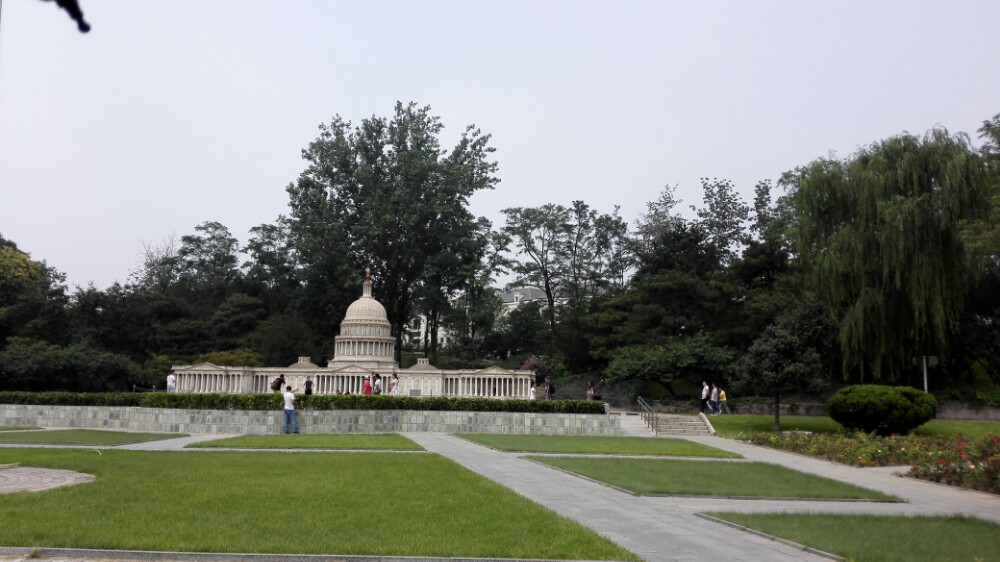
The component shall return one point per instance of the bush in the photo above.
(274, 401)
(884, 410)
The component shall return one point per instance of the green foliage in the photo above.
(385, 195)
(879, 235)
(233, 358)
(37, 365)
(881, 409)
(273, 401)
(678, 359)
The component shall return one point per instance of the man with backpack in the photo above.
(550, 389)
(277, 383)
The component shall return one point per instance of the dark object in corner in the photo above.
(73, 8)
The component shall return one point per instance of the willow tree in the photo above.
(879, 235)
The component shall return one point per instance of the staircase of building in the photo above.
(662, 424)
(673, 424)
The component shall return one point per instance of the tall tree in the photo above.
(270, 271)
(539, 235)
(879, 235)
(385, 195)
(209, 261)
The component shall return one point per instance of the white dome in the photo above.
(365, 308)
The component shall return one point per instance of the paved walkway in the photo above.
(668, 529)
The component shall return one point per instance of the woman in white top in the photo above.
(533, 392)
(394, 385)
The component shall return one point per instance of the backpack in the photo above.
(552, 389)
(276, 385)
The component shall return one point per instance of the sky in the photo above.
(171, 113)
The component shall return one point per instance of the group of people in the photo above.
(373, 385)
(549, 390)
(713, 399)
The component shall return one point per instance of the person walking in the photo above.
(550, 389)
(394, 385)
(377, 385)
(291, 420)
(704, 397)
(171, 382)
(723, 406)
(367, 388)
(590, 390)
(533, 391)
(309, 386)
(713, 399)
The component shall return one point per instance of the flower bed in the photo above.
(972, 463)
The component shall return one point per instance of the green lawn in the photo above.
(16, 427)
(871, 538)
(950, 428)
(733, 426)
(382, 441)
(710, 478)
(598, 445)
(380, 504)
(82, 437)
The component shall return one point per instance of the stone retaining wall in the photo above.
(162, 420)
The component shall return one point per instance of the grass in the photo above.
(380, 504)
(382, 441)
(732, 426)
(598, 445)
(17, 427)
(863, 538)
(949, 428)
(82, 437)
(710, 478)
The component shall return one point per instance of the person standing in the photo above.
(171, 382)
(291, 416)
(704, 397)
(309, 386)
(713, 399)
(550, 389)
(278, 383)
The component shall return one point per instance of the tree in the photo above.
(270, 271)
(723, 216)
(675, 360)
(32, 297)
(209, 261)
(789, 356)
(539, 234)
(879, 237)
(383, 195)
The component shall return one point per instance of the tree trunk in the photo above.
(777, 411)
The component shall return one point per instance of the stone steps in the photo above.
(667, 424)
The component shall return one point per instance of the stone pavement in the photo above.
(668, 528)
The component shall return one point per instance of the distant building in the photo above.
(364, 347)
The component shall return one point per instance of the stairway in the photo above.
(672, 424)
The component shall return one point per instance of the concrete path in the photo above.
(668, 529)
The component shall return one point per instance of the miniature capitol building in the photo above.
(364, 347)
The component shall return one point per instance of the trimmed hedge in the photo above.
(884, 410)
(314, 402)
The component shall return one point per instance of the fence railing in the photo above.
(647, 414)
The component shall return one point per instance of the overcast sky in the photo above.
(172, 113)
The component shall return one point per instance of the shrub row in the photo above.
(313, 402)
